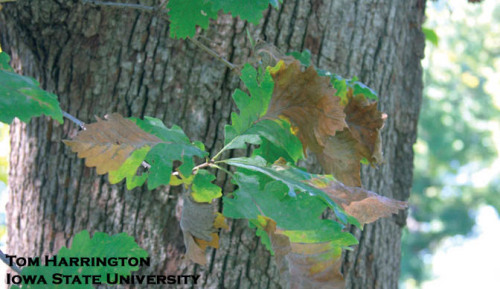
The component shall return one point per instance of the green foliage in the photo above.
(284, 202)
(161, 157)
(203, 191)
(292, 178)
(185, 15)
(101, 245)
(299, 215)
(246, 10)
(341, 84)
(22, 97)
(455, 136)
(249, 126)
(431, 36)
(304, 57)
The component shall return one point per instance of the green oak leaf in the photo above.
(161, 158)
(365, 90)
(298, 216)
(185, 15)
(129, 168)
(202, 189)
(246, 10)
(22, 97)
(176, 146)
(304, 57)
(101, 245)
(294, 179)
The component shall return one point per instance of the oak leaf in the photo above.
(108, 143)
(306, 265)
(199, 224)
(308, 101)
(119, 146)
(343, 152)
(366, 206)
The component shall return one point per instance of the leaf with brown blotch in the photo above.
(199, 224)
(119, 146)
(308, 101)
(343, 152)
(364, 205)
(341, 158)
(365, 122)
(108, 143)
(306, 265)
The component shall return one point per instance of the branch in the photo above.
(3, 257)
(120, 5)
(213, 53)
(78, 122)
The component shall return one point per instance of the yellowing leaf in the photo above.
(107, 144)
(306, 265)
(118, 146)
(308, 101)
(364, 205)
(202, 188)
(181, 180)
(220, 221)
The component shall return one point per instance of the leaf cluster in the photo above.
(286, 111)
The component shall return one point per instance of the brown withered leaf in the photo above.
(304, 266)
(366, 206)
(343, 152)
(280, 244)
(308, 101)
(106, 144)
(365, 122)
(341, 158)
(199, 224)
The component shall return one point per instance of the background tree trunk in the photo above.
(100, 60)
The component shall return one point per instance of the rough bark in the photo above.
(100, 60)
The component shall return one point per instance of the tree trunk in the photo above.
(100, 60)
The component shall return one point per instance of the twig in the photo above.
(78, 122)
(3, 257)
(222, 169)
(213, 53)
(121, 5)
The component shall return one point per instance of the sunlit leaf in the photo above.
(431, 35)
(202, 188)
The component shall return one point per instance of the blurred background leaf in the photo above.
(457, 151)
